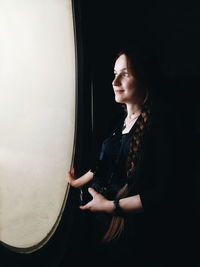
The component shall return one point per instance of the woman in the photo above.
(131, 184)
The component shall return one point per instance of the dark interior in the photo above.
(102, 28)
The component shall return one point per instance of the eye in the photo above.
(125, 74)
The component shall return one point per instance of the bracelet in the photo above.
(117, 209)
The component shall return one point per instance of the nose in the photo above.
(116, 81)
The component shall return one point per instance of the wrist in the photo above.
(109, 206)
(117, 209)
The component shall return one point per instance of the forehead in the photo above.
(121, 63)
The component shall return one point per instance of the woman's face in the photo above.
(124, 83)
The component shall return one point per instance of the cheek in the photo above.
(130, 87)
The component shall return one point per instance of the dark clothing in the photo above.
(151, 234)
(155, 169)
(110, 173)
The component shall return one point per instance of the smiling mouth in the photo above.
(119, 91)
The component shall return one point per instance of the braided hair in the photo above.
(135, 63)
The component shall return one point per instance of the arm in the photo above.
(131, 204)
(78, 182)
(100, 204)
(157, 173)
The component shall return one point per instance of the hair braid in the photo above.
(136, 140)
(117, 224)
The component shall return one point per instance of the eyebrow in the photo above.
(121, 69)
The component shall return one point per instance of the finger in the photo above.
(92, 192)
(69, 173)
(85, 207)
(69, 176)
(73, 171)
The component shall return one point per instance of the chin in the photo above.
(119, 100)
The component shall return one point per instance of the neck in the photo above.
(133, 109)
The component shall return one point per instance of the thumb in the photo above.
(83, 207)
(92, 192)
(72, 171)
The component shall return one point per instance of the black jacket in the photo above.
(157, 181)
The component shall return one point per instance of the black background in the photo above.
(102, 28)
(169, 32)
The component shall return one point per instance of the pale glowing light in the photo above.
(37, 116)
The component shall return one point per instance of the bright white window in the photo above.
(37, 117)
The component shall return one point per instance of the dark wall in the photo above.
(170, 35)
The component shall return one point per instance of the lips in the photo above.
(119, 91)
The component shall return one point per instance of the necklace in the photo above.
(126, 124)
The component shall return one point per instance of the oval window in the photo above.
(37, 118)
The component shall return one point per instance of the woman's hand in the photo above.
(78, 182)
(71, 179)
(99, 203)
